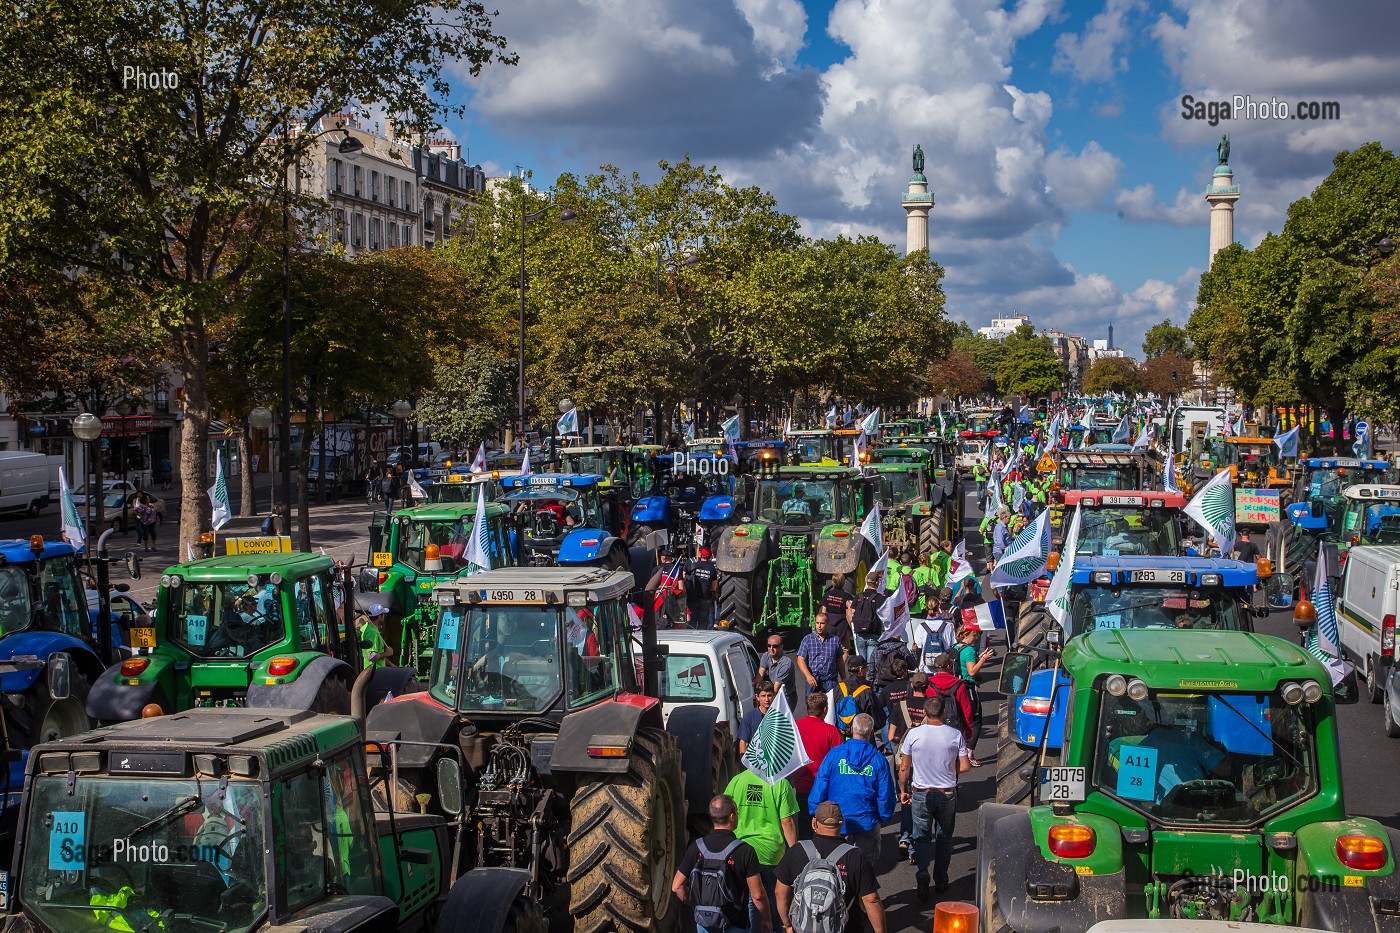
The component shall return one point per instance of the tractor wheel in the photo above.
(724, 764)
(930, 533)
(992, 919)
(1375, 686)
(40, 718)
(737, 594)
(1011, 759)
(626, 839)
(526, 916)
(1031, 626)
(332, 697)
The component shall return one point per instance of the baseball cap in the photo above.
(704, 552)
(378, 610)
(919, 681)
(945, 593)
(828, 813)
(855, 662)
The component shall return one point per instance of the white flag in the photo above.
(1057, 598)
(218, 494)
(416, 489)
(787, 427)
(479, 462)
(873, 531)
(1027, 556)
(856, 450)
(831, 416)
(776, 749)
(568, 422)
(871, 423)
(959, 567)
(894, 614)
(1287, 442)
(1213, 508)
(525, 463)
(1323, 644)
(730, 428)
(478, 553)
(73, 531)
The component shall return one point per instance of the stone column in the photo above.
(1222, 195)
(917, 202)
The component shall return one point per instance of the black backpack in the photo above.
(866, 622)
(712, 888)
(952, 710)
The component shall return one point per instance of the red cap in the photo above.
(704, 552)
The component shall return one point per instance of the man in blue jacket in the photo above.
(856, 777)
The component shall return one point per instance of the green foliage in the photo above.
(470, 398)
(1112, 374)
(1165, 337)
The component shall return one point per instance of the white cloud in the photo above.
(1082, 181)
(1140, 205)
(779, 28)
(1097, 54)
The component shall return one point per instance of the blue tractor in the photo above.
(1165, 593)
(692, 494)
(563, 518)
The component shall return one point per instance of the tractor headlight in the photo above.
(1137, 690)
(1292, 693)
(1116, 684)
(1312, 692)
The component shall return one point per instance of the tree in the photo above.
(1029, 365)
(470, 399)
(1168, 374)
(956, 375)
(1163, 338)
(175, 193)
(1112, 374)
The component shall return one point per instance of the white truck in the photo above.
(713, 667)
(24, 481)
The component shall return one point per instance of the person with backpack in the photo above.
(957, 701)
(930, 637)
(719, 875)
(767, 821)
(839, 605)
(904, 709)
(931, 757)
(821, 880)
(865, 617)
(856, 776)
(855, 695)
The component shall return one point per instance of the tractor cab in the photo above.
(1097, 470)
(691, 492)
(714, 446)
(1253, 463)
(451, 486)
(982, 422)
(564, 518)
(1114, 524)
(908, 427)
(824, 447)
(617, 467)
(229, 820)
(40, 592)
(802, 496)
(1321, 483)
(1371, 516)
(758, 456)
(251, 629)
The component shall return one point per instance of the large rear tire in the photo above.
(992, 920)
(1032, 624)
(40, 718)
(332, 697)
(626, 839)
(929, 532)
(1011, 759)
(737, 601)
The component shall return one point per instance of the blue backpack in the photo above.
(847, 709)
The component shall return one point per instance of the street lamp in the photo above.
(349, 149)
(87, 428)
(401, 410)
(567, 217)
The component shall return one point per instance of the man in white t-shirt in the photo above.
(930, 760)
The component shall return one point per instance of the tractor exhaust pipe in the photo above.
(358, 690)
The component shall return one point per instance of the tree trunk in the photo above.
(321, 446)
(303, 502)
(247, 504)
(194, 440)
(1337, 417)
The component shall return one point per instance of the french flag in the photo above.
(985, 617)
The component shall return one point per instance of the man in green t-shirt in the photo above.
(942, 560)
(923, 576)
(367, 628)
(767, 821)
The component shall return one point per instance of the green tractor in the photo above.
(232, 820)
(579, 789)
(415, 549)
(264, 630)
(1200, 780)
(941, 457)
(801, 525)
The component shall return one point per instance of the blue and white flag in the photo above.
(1361, 447)
(1087, 422)
(218, 495)
(871, 422)
(873, 531)
(1027, 557)
(73, 531)
(525, 463)
(1057, 598)
(831, 416)
(690, 430)
(1169, 469)
(1287, 442)
(1052, 438)
(1213, 508)
(1123, 431)
(416, 489)
(776, 749)
(1324, 642)
(730, 428)
(1145, 438)
(478, 553)
(568, 422)
(894, 615)
(1024, 414)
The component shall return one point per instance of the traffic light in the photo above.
(1173, 375)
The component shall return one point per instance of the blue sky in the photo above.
(1068, 186)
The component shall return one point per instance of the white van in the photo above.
(971, 451)
(1366, 605)
(710, 667)
(24, 481)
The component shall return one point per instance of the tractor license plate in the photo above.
(1062, 785)
(1158, 576)
(143, 637)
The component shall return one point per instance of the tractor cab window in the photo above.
(223, 620)
(1153, 607)
(62, 604)
(798, 501)
(497, 658)
(899, 488)
(805, 450)
(324, 834)
(595, 639)
(16, 610)
(450, 535)
(1223, 758)
(1373, 522)
(1112, 532)
(200, 856)
(315, 612)
(550, 511)
(1097, 476)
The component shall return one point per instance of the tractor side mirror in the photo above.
(133, 565)
(60, 677)
(1348, 691)
(449, 781)
(1015, 674)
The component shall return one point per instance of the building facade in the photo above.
(1003, 327)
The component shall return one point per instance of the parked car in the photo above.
(709, 667)
(109, 486)
(119, 510)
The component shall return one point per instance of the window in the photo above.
(359, 228)
(223, 620)
(60, 610)
(340, 226)
(392, 188)
(593, 652)
(357, 181)
(393, 235)
(501, 658)
(335, 175)
(374, 186)
(407, 235)
(408, 195)
(688, 679)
